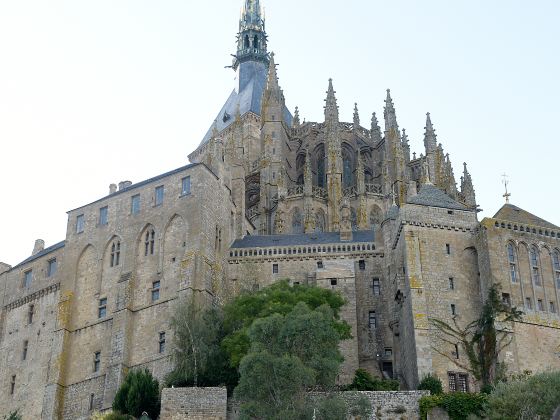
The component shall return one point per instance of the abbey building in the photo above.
(340, 205)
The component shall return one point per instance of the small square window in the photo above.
(102, 310)
(27, 278)
(155, 290)
(274, 268)
(320, 264)
(159, 195)
(51, 267)
(80, 223)
(333, 282)
(135, 204)
(388, 352)
(362, 264)
(506, 299)
(103, 215)
(186, 185)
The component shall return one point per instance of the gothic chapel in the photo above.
(266, 197)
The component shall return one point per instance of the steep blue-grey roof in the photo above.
(430, 195)
(42, 253)
(259, 241)
(247, 97)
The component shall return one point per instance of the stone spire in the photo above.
(356, 116)
(272, 77)
(272, 92)
(450, 178)
(405, 145)
(390, 114)
(251, 39)
(295, 120)
(375, 129)
(430, 138)
(331, 108)
(467, 188)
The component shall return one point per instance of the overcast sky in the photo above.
(96, 92)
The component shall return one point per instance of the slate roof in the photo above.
(430, 195)
(42, 253)
(248, 97)
(258, 241)
(515, 214)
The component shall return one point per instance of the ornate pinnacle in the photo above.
(404, 138)
(295, 120)
(390, 114)
(467, 188)
(375, 130)
(356, 116)
(331, 108)
(430, 142)
(272, 79)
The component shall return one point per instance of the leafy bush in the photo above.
(14, 415)
(139, 392)
(536, 396)
(459, 405)
(431, 383)
(363, 381)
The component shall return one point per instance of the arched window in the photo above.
(149, 242)
(299, 180)
(320, 156)
(534, 256)
(556, 264)
(297, 225)
(512, 263)
(115, 253)
(320, 221)
(246, 42)
(346, 170)
(256, 42)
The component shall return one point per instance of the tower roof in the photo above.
(430, 195)
(512, 213)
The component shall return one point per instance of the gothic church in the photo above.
(266, 197)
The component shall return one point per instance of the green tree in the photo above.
(288, 354)
(139, 392)
(364, 381)
(279, 298)
(198, 358)
(431, 383)
(481, 341)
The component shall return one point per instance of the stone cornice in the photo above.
(33, 296)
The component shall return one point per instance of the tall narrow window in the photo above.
(186, 185)
(453, 309)
(528, 303)
(135, 204)
(535, 266)
(448, 249)
(456, 351)
(13, 385)
(372, 320)
(540, 305)
(96, 361)
(552, 308)
(80, 223)
(161, 342)
(102, 309)
(321, 171)
(376, 287)
(103, 215)
(91, 399)
(451, 283)
(27, 278)
(362, 264)
(25, 347)
(512, 263)
(155, 290)
(115, 253)
(159, 195)
(30, 314)
(556, 263)
(274, 268)
(51, 267)
(149, 242)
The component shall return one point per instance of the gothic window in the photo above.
(353, 219)
(256, 42)
(297, 225)
(533, 255)
(512, 263)
(300, 180)
(149, 242)
(320, 221)
(246, 42)
(320, 158)
(556, 264)
(115, 253)
(346, 170)
(368, 177)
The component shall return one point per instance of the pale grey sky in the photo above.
(96, 92)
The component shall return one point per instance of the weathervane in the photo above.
(505, 181)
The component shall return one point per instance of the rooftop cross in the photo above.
(505, 181)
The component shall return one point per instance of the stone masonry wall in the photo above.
(193, 404)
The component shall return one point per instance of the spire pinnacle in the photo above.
(251, 39)
(272, 78)
(404, 137)
(356, 115)
(467, 188)
(375, 130)
(390, 114)
(430, 138)
(295, 120)
(331, 108)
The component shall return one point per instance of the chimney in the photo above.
(124, 184)
(39, 246)
(112, 189)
